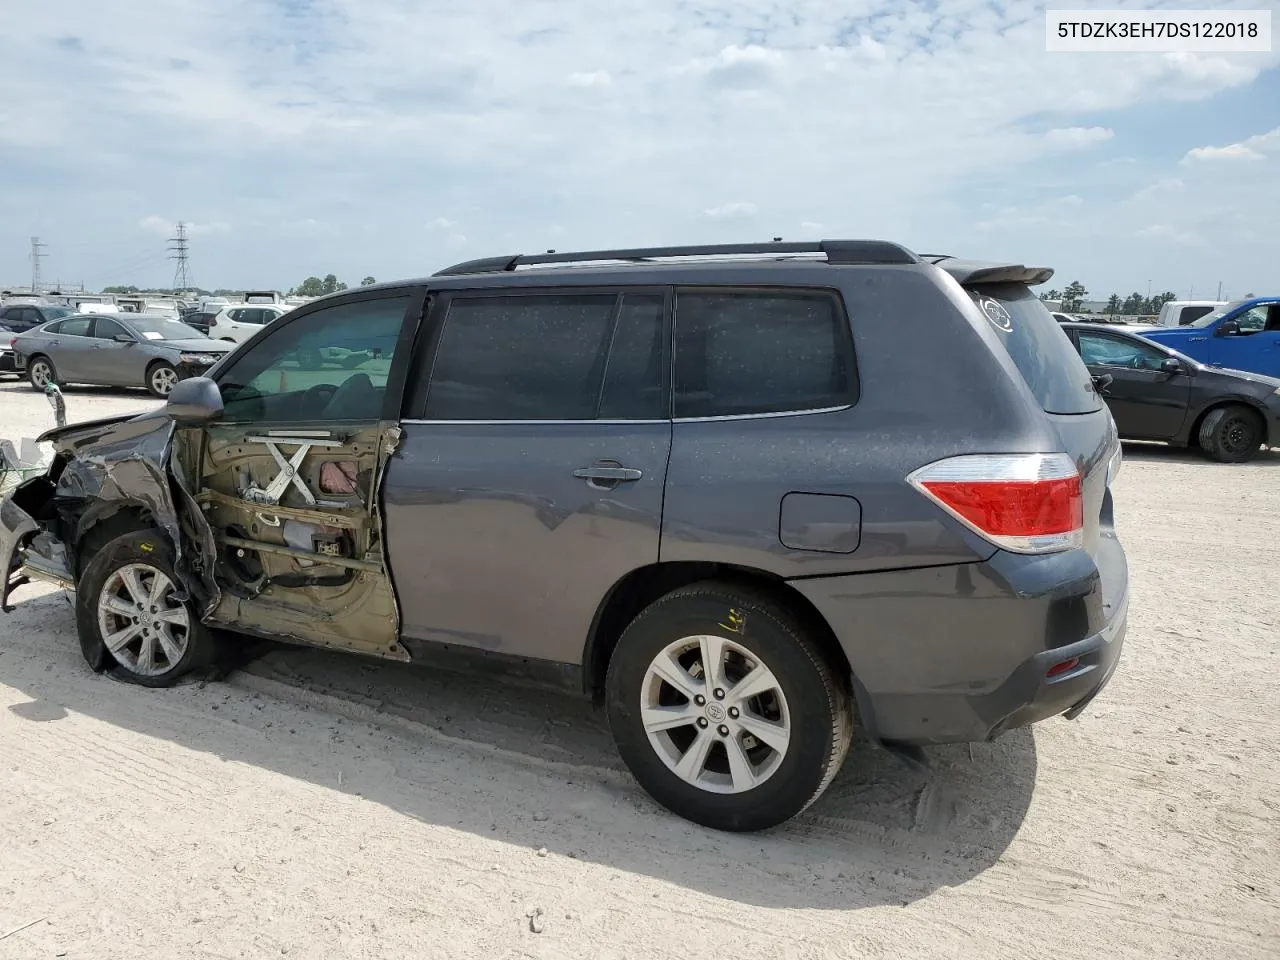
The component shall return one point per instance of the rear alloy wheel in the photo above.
(724, 710)
(41, 373)
(1231, 434)
(161, 378)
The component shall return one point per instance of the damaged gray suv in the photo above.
(738, 494)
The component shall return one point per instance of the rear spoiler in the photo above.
(968, 272)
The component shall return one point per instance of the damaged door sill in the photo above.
(257, 545)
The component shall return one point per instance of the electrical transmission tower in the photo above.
(179, 250)
(37, 254)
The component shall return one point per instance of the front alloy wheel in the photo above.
(142, 623)
(161, 379)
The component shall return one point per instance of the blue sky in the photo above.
(392, 137)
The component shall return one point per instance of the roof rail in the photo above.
(836, 251)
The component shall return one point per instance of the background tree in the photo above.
(368, 282)
(315, 287)
(1113, 304)
(1073, 295)
(1132, 304)
(1051, 295)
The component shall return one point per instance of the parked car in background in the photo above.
(236, 324)
(665, 484)
(1156, 393)
(21, 317)
(199, 320)
(8, 361)
(125, 350)
(1243, 335)
(1179, 313)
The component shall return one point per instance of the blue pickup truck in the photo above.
(1244, 335)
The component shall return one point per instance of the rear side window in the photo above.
(754, 352)
(75, 327)
(540, 356)
(1040, 348)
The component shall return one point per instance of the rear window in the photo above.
(1039, 347)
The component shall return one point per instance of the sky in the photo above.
(394, 137)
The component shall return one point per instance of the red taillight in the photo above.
(13, 344)
(1026, 503)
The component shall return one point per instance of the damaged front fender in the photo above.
(108, 477)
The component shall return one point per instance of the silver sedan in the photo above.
(120, 350)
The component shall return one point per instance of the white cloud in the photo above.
(1233, 151)
(1165, 232)
(731, 211)
(884, 118)
(1078, 136)
(600, 78)
(158, 225)
(1255, 148)
(168, 228)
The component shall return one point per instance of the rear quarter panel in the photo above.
(931, 386)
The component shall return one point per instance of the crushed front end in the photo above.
(106, 476)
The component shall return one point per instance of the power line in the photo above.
(37, 254)
(180, 251)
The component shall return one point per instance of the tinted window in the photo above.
(105, 329)
(332, 364)
(53, 313)
(633, 376)
(528, 357)
(744, 353)
(1039, 347)
(1117, 352)
(1191, 314)
(75, 327)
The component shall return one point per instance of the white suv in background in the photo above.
(239, 322)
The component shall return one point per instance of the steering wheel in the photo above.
(314, 398)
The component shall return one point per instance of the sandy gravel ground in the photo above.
(321, 806)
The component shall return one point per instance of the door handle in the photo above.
(608, 473)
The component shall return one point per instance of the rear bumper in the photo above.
(8, 362)
(963, 653)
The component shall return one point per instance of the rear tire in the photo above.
(129, 613)
(1231, 434)
(41, 372)
(745, 746)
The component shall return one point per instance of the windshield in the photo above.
(1209, 319)
(162, 328)
(1040, 348)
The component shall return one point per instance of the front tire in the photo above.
(742, 744)
(161, 378)
(41, 372)
(1231, 434)
(132, 611)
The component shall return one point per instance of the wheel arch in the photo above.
(98, 527)
(642, 586)
(1269, 436)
